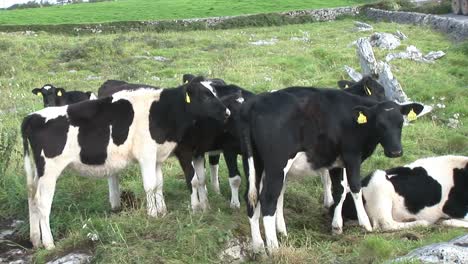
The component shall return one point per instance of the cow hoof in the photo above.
(205, 207)
(162, 211)
(258, 248)
(49, 246)
(116, 210)
(196, 208)
(337, 230)
(235, 205)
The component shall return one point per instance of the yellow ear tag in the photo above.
(187, 98)
(39, 94)
(346, 86)
(59, 93)
(362, 119)
(368, 90)
(186, 81)
(412, 115)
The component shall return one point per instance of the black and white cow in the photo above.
(54, 96)
(417, 194)
(312, 130)
(100, 137)
(205, 135)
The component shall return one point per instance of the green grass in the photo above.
(183, 237)
(137, 10)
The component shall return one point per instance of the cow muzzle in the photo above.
(394, 153)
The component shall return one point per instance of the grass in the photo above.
(81, 205)
(137, 10)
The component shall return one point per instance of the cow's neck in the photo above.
(171, 115)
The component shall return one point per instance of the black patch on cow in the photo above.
(456, 205)
(49, 137)
(94, 119)
(417, 188)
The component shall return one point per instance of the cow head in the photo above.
(201, 100)
(186, 78)
(367, 86)
(385, 121)
(51, 95)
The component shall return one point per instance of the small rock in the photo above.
(453, 123)
(155, 78)
(160, 58)
(72, 258)
(6, 233)
(401, 35)
(413, 53)
(434, 55)
(92, 77)
(384, 41)
(234, 252)
(356, 76)
(272, 41)
(361, 26)
(72, 71)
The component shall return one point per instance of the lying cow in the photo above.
(100, 137)
(312, 130)
(418, 194)
(53, 96)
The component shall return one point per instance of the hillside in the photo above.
(137, 10)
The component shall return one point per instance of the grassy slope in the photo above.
(181, 237)
(134, 10)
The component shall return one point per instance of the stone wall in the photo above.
(456, 29)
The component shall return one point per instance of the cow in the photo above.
(205, 136)
(101, 137)
(54, 96)
(417, 194)
(298, 130)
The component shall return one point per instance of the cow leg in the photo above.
(327, 191)
(455, 223)
(34, 224)
(234, 177)
(114, 192)
(272, 186)
(340, 186)
(185, 159)
(354, 179)
(280, 223)
(214, 168)
(253, 209)
(199, 165)
(150, 183)
(160, 204)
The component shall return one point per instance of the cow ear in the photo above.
(186, 78)
(343, 84)
(361, 114)
(37, 91)
(411, 110)
(59, 91)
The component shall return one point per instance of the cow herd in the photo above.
(280, 134)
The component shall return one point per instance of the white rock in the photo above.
(72, 258)
(384, 41)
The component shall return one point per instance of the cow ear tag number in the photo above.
(187, 98)
(362, 119)
(59, 93)
(412, 115)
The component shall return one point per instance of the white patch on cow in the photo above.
(240, 100)
(327, 188)
(235, 182)
(302, 166)
(389, 109)
(114, 191)
(252, 194)
(47, 87)
(214, 177)
(52, 112)
(269, 223)
(361, 212)
(194, 201)
(228, 112)
(93, 97)
(208, 86)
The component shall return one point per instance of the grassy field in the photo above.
(309, 54)
(136, 10)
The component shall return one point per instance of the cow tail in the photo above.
(28, 164)
(252, 193)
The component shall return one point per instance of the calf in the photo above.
(53, 96)
(206, 135)
(100, 137)
(418, 194)
(312, 130)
